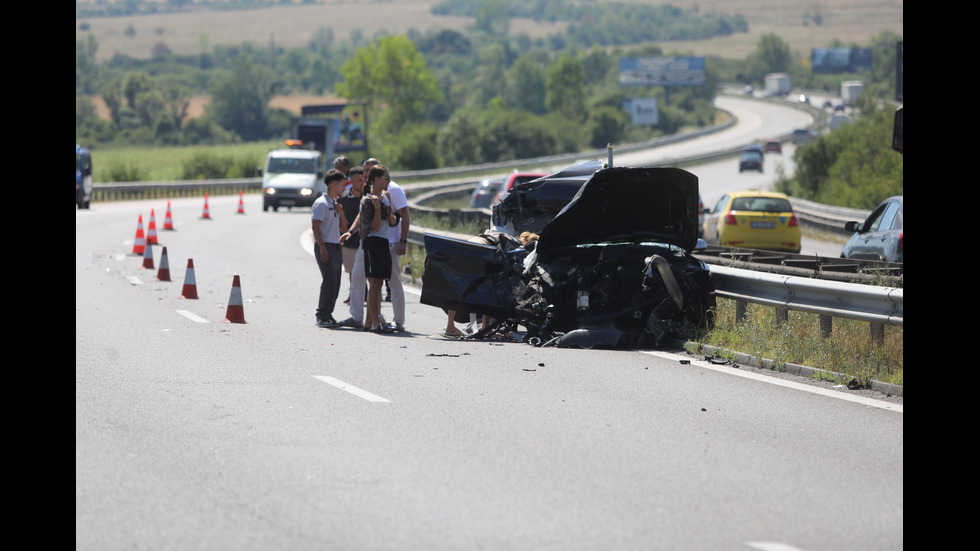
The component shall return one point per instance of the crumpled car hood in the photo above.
(611, 268)
(628, 205)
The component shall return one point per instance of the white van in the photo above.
(292, 177)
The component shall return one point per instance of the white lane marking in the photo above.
(192, 317)
(133, 280)
(771, 546)
(361, 393)
(781, 382)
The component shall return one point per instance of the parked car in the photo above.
(516, 178)
(750, 160)
(753, 219)
(611, 269)
(772, 145)
(804, 135)
(484, 192)
(881, 236)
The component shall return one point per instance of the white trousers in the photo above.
(358, 280)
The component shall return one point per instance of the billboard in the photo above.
(350, 129)
(840, 60)
(644, 111)
(661, 71)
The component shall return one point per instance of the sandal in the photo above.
(454, 333)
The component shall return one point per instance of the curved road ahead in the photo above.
(195, 433)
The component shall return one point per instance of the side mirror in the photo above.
(258, 171)
(852, 226)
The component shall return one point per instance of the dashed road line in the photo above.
(361, 393)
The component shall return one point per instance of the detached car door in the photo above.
(469, 276)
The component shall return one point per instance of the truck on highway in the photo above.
(292, 176)
(850, 90)
(777, 84)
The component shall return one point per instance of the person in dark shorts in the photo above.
(376, 217)
(351, 201)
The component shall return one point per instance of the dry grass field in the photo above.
(293, 26)
(850, 21)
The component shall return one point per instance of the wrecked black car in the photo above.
(611, 268)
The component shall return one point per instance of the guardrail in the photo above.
(828, 298)
(879, 306)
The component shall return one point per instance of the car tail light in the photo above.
(730, 219)
(793, 222)
(901, 242)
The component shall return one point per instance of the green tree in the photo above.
(492, 18)
(413, 149)
(133, 85)
(176, 99)
(853, 166)
(525, 84)
(394, 80)
(113, 99)
(489, 79)
(507, 134)
(240, 100)
(771, 55)
(566, 87)
(608, 125)
(459, 138)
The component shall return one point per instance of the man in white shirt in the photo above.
(398, 243)
(329, 222)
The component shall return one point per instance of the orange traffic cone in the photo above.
(190, 284)
(148, 257)
(164, 273)
(168, 221)
(151, 230)
(241, 204)
(139, 244)
(206, 215)
(235, 314)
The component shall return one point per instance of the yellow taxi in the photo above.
(753, 219)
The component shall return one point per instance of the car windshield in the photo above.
(761, 204)
(285, 164)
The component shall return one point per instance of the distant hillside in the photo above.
(803, 24)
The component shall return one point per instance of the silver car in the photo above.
(881, 236)
(484, 192)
